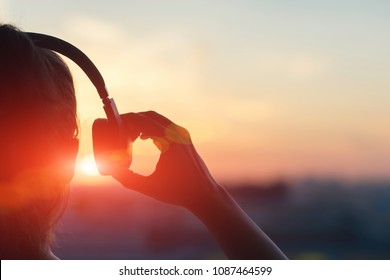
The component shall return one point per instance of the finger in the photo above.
(177, 134)
(143, 123)
(132, 180)
(158, 118)
(172, 132)
(161, 144)
(151, 125)
(132, 123)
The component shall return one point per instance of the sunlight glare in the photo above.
(88, 165)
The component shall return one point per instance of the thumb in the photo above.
(132, 180)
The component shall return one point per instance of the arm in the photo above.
(181, 178)
(237, 235)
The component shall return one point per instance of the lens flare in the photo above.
(88, 166)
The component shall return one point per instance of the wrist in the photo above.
(214, 200)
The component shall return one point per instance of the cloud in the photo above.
(159, 70)
(89, 30)
(165, 62)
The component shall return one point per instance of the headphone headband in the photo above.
(82, 60)
(75, 54)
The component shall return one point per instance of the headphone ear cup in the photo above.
(111, 150)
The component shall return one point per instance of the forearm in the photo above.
(238, 236)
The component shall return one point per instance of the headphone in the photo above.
(111, 146)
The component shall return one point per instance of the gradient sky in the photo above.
(266, 88)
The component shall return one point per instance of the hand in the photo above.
(181, 177)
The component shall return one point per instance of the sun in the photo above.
(88, 166)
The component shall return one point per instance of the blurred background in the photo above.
(286, 101)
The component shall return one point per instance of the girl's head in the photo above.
(38, 142)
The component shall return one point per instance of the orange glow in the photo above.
(145, 156)
(29, 187)
(278, 110)
(88, 166)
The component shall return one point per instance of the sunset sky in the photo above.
(266, 88)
